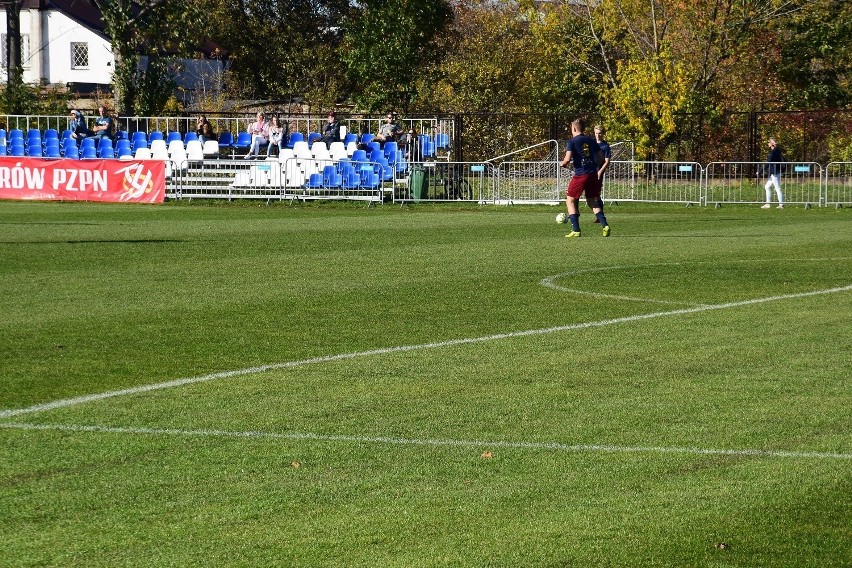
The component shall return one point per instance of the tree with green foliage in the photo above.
(816, 55)
(387, 43)
(286, 47)
(159, 29)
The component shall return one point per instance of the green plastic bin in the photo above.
(419, 181)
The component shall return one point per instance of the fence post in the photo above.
(752, 137)
(458, 142)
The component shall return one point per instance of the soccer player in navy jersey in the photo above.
(587, 158)
(607, 154)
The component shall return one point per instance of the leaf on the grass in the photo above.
(487, 455)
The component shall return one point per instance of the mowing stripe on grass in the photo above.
(556, 446)
(400, 349)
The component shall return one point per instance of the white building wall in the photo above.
(51, 60)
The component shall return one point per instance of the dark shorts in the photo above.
(584, 183)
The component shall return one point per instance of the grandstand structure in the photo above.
(356, 167)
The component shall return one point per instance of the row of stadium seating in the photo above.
(37, 144)
(313, 174)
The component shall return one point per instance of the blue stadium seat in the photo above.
(352, 180)
(315, 181)
(313, 137)
(138, 140)
(442, 141)
(390, 149)
(295, 137)
(105, 149)
(123, 148)
(331, 179)
(243, 141)
(226, 140)
(71, 151)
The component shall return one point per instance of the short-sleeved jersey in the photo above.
(105, 121)
(583, 151)
(604, 146)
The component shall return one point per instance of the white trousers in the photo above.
(256, 142)
(774, 182)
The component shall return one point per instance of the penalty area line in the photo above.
(435, 442)
(64, 403)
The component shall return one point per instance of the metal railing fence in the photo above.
(837, 184)
(662, 182)
(273, 179)
(511, 182)
(445, 181)
(744, 182)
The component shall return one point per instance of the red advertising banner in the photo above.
(119, 181)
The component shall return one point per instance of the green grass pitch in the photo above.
(330, 385)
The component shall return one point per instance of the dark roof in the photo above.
(84, 12)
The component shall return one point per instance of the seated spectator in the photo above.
(331, 132)
(78, 127)
(390, 131)
(204, 129)
(277, 136)
(259, 131)
(104, 125)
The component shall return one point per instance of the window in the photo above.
(79, 55)
(25, 51)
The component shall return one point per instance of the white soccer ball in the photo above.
(562, 218)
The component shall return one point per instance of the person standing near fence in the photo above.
(773, 168)
(587, 158)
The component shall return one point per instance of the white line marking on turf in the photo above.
(549, 281)
(426, 441)
(401, 349)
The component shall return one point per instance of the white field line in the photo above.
(550, 281)
(400, 349)
(437, 442)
